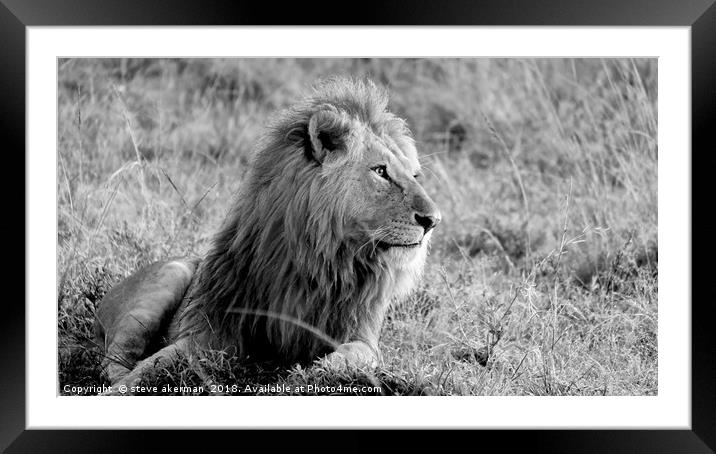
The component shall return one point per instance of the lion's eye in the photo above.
(381, 171)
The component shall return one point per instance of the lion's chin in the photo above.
(407, 265)
(409, 257)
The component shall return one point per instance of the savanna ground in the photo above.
(542, 277)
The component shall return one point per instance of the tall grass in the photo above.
(542, 278)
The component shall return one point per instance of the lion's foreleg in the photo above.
(362, 350)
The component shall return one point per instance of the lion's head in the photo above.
(330, 225)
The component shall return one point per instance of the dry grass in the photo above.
(542, 279)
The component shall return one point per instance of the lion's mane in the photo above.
(285, 258)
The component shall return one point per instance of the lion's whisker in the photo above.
(376, 236)
(378, 240)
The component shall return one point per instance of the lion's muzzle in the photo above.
(427, 214)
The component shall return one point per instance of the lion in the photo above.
(329, 227)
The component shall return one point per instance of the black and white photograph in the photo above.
(437, 219)
(357, 226)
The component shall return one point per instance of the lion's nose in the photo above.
(427, 222)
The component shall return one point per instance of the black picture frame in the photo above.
(16, 15)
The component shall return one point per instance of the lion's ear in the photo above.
(326, 131)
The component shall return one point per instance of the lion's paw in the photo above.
(351, 355)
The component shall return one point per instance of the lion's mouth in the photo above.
(384, 245)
